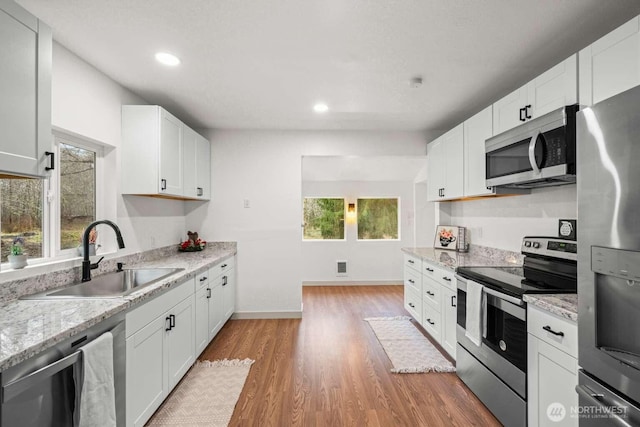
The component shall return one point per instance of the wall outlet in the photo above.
(246, 204)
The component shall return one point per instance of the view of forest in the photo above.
(377, 219)
(323, 219)
(21, 203)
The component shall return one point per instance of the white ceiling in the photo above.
(263, 64)
(355, 168)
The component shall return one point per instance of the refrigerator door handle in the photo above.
(599, 401)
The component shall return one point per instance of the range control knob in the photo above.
(536, 245)
(527, 244)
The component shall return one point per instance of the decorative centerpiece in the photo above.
(193, 244)
(17, 258)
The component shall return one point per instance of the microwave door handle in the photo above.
(532, 152)
(598, 401)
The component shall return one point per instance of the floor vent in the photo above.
(341, 268)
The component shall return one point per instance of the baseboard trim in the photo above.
(247, 315)
(355, 283)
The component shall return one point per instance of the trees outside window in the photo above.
(21, 203)
(323, 219)
(377, 219)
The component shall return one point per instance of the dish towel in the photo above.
(476, 309)
(96, 397)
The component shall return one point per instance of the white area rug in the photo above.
(408, 350)
(206, 396)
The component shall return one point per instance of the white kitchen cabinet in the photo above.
(448, 321)
(431, 321)
(196, 165)
(611, 65)
(160, 350)
(216, 309)
(25, 85)
(413, 287)
(445, 166)
(553, 89)
(201, 306)
(228, 294)
(477, 130)
(552, 367)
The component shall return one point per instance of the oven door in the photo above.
(503, 349)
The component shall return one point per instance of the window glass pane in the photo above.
(377, 219)
(323, 219)
(21, 219)
(77, 193)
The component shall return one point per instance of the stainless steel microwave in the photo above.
(539, 153)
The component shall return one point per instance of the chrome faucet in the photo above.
(86, 263)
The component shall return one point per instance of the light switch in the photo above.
(246, 203)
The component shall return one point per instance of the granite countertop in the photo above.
(477, 256)
(28, 327)
(563, 305)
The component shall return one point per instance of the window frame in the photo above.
(344, 219)
(399, 217)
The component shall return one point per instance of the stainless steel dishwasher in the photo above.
(41, 392)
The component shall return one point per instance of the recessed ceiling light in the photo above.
(321, 107)
(167, 59)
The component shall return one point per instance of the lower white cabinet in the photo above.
(448, 322)
(552, 369)
(229, 293)
(160, 350)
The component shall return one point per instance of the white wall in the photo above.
(264, 167)
(502, 222)
(368, 261)
(87, 103)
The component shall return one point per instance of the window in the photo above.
(52, 226)
(323, 219)
(378, 219)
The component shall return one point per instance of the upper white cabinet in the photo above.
(25, 85)
(611, 65)
(445, 166)
(161, 156)
(553, 89)
(476, 130)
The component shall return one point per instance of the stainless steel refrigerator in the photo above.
(608, 161)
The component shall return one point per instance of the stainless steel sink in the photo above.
(110, 285)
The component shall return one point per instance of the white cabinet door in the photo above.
(611, 65)
(552, 378)
(25, 88)
(454, 163)
(508, 111)
(555, 88)
(449, 320)
(170, 154)
(202, 319)
(180, 341)
(435, 170)
(216, 309)
(147, 383)
(477, 129)
(189, 159)
(203, 168)
(229, 294)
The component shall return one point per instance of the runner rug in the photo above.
(206, 396)
(406, 347)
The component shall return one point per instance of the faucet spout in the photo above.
(86, 263)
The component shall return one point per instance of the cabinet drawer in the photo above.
(413, 262)
(413, 280)
(431, 292)
(441, 275)
(222, 267)
(548, 327)
(202, 279)
(413, 303)
(431, 322)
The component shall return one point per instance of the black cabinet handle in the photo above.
(208, 292)
(411, 281)
(411, 305)
(410, 261)
(200, 192)
(167, 319)
(548, 329)
(430, 322)
(453, 298)
(430, 293)
(202, 279)
(526, 111)
(163, 184)
(224, 280)
(223, 266)
(446, 278)
(523, 117)
(173, 320)
(443, 192)
(52, 163)
(430, 270)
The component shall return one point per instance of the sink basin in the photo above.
(110, 285)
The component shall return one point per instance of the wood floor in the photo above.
(328, 369)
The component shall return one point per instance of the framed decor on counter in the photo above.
(446, 237)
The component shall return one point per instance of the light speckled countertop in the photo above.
(477, 256)
(563, 305)
(28, 327)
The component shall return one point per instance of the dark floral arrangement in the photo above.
(192, 244)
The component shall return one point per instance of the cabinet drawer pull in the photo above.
(522, 117)
(163, 184)
(430, 322)
(200, 192)
(548, 329)
(224, 280)
(411, 281)
(223, 266)
(446, 278)
(167, 319)
(526, 112)
(173, 320)
(430, 293)
(52, 158)
(430, 270)
(453, 299)
(410, 261)
(411, 305)
(208, 292)
(202, 279)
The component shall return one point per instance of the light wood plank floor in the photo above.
(328, 369)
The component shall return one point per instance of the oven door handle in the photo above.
(16, 387)
(598, 401)
(532, 152)
(502, 296)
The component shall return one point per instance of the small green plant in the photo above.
(16, 247)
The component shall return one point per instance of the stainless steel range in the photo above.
(495, 366)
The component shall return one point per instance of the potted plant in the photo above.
(17, 258)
